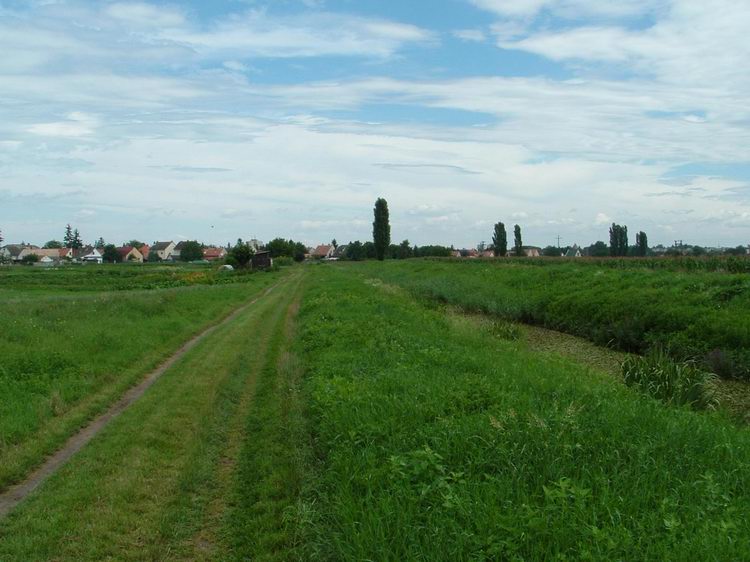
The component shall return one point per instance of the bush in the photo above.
(675, 383)
(283, 261)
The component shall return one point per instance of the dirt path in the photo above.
(18, 492)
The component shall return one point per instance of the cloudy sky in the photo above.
(225, 119)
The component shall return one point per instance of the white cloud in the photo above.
(146, 15)
(78, 124)
(602, 218)
(475, 35)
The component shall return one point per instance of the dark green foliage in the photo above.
(29, 259)
(598, 249)
(135, 244)
(552, 252)
(431, 251)
(381, 229)
(369, 249)
(657, 375)
(279, 247)
(52, 244)
(110, 254)
(500, 240)
(618, 240)
(355, 251)
(99, 245)
(240, 255)
(191, 251)
(68, 237)
(641, 244)
(517, 241)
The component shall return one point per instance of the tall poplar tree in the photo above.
(641, 244)
(517, 242)
(500, 240)
(68, 238)
(381, 229)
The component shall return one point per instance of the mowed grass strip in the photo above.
(141, 489)
(437, 442)
(63, 361)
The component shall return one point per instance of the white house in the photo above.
(163, 250)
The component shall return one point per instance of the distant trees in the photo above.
(99, 244)
(72, 238)
(334, 244)
(29, 259)
(598, 249)
(618, 240)
(552, 252)
(517, 241)
(110, 254)
(355, 251)
(240, 254)
(641, 244)
(381, 229)
(52, 244)
(500, 240)
(431, 251)
(191, 251)
(138, 244)
(279, 247)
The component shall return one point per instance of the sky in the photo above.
(256, 119)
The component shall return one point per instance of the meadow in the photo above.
(692, 314)
(341, 418)
(438, 440)
(73, 339)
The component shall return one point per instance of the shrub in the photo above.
(675, 383)
(283, 261)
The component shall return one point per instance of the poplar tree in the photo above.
(641, 244)
(381, 229)
(68, 238)
(500, 240)
(518, 243)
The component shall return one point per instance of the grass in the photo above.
(64, 356)
(436, 441)
(162, 480)
(697, 315)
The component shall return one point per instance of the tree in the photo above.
(279, 247)
(99, 245)
(517, 242)
(381, 229)
(110, 254)
(500, 240)
(191, 251)
(135, 244)
(355, 251)
(52, 244)
(552, 252)
(598, 249)
(76, 241)
(1, 237)
(240, 254)
(68, 238)
(618, 240)
(641, 244)
(369, 249)
(404, 250)
(29, 259)
(334, 244)
(299, 252)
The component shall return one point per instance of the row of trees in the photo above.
(500, 240)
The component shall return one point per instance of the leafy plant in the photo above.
(657, 375)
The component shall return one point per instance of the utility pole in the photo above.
(558, 241)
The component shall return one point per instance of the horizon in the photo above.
(188, 120)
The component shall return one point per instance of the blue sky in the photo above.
(218, 120)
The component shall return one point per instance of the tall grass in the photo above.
(701, 316)
(657, 375)
(437, 441)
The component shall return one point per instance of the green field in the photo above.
(694, 315)
(341, 418)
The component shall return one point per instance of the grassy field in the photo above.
(74, 339)
(438, 441)
(700, 315)
(339, 418)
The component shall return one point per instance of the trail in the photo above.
(14, 495)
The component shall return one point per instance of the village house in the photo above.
(88, 254)
(323, 251)
(261, 260)
(14, 252)
(145, 251)
(163, 250)
(130, 254)
(340, 252)
(177, 250)
(573, 252)
(214, 254)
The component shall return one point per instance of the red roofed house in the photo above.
(130, 254)
(145, 250)
(214, 254)
(323, 251)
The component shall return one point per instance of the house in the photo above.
(130, 254)
(456, 253)
(145, 251)
(531, 251)
(45, 261)
(214, 254)
(261, 260)
(177, 250)
(55, 254)
(340, 252)
(89, 254)
(163, 250)
(255, 244)
(15, 252)
(323, 251)
(488, 254)
(573, 252)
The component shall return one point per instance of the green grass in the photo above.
(441, 442)
(64, 356)
(695, 315)
(165, 480)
